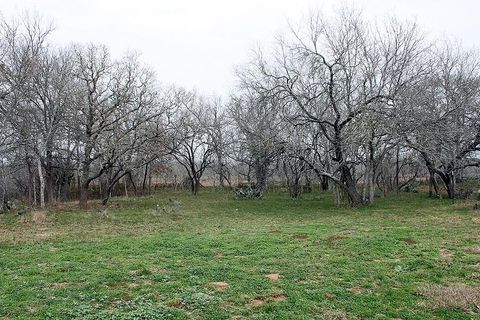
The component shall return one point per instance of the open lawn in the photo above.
(213, 257)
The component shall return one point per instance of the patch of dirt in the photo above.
(336, 237)
(475, 250)
(345, 230)
(257, 302)
(278, 297)
(329, 296)
(31, 309)
(228, 304)
(355, 290)
(409, 241)
(132, 285)
(444, 254)
(176, 217)
(476, 219)
(158, 270)
(34, 217)
(116, 301)
(300, 236)
(476, 266)
(220, 285)
(458, 296)
(261, 300)
(38, 217)
(60, 285)
(275, 231)
(274, 276)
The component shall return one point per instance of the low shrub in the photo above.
(248, 192)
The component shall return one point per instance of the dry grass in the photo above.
(334, 315)
(453, 297)
(474, 250)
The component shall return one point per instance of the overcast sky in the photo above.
(197, 43)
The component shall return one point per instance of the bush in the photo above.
(14, 206)
(248, 192)
(467, 189)
(410, 187)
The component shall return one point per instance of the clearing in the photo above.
(176, 256)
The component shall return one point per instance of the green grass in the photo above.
(138, 261)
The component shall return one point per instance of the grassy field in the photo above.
(214, 257)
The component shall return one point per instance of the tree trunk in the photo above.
(221, 174)
(371, 194)
(355, 198)
(34, 185)
(449, 182)
(195, 185)
(308, 183)
(135, 191)
(50, 178)
(432, 185)
(366, 180)
(125, 186)
(145, 176)
(42, 182)
(83, 199)
(31, 184)
(261, 175)
(83, 186)
(397, 170)
(3, 199)
(324, 183)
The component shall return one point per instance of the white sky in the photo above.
(197, 43)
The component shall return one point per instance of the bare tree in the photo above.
(22, 48)
(258, 121)
(441, 115)
(191, 145)
(110, 95)
(333, 72)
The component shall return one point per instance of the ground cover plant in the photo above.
(176, 256)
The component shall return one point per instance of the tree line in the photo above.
(356, 106)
